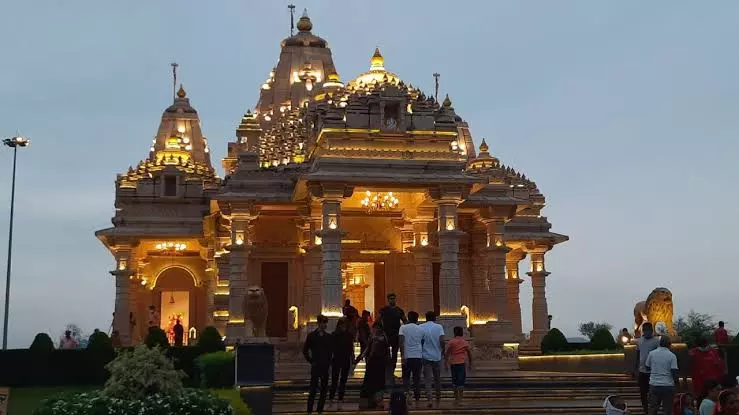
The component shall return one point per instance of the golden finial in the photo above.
(304, 23)
(181, 93)
(483, 147)
(377, 61)
(447, 102)
(333, 77)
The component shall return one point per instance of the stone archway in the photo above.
(176, 295)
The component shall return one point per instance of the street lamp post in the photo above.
(14, 143)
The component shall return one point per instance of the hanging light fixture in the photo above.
(171, 298)
(380, 201)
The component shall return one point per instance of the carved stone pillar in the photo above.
(450, 298)
(513, 284)
(331, 286)
(539, 309)
(209, 288)
(496, 257)
(239, 249)
(312, 271)
(404, 267)
(422, 277)
(122, 274)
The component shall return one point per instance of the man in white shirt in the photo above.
(662, 366)
(433, 349)
(411, 337)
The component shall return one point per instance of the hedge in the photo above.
(23, 367)
(554, 341)
(216, 370)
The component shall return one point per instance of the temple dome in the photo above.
(377, 73)
(304, 37)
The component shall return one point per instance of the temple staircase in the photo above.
(516, 392)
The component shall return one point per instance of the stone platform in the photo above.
(513, 392)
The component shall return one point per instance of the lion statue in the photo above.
(255, 311)
(657, 309)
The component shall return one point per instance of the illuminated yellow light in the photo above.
(223, 283)
(239, 240)
(332, 221)
(122, 265)
(450, 224)
(143, 281)
(220, 313)
(498, 243)
(236, 321)
(374, 251)
(221, 292)
(539, 268)
(328, 313)
(479, 322)
(466, 313)
(294, 310)
(574, 356)
(229, 348)
(351, 241)
(510, 344)
(317, 240)
(424, 241)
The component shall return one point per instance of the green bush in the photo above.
(42, 344)
(141, 372)
(216, 370)
(554, 341)
(156, 337)
(603, 340)
(186, 401)
(99, 342)
(210, 340)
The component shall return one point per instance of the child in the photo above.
(709, 396)
(684, 404)
(457, 351)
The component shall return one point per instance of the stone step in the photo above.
(590, 407)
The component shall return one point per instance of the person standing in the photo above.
(662, 366)
(377, 355)
(179, 334)
(728, 403)
(67, 341)
(644, 345)
(432, 350)
(458, 355)
(392, 317)
(352, 317)
(341, 361)
(411, 337)
(364, 331)
(705, 363)
(709, 397)
(317, 351)
(721, 335)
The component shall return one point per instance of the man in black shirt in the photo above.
(317, 351)
(392, 317)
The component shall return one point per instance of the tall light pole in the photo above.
(14, 143)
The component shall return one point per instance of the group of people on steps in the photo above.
(421, 346)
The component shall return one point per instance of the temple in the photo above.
(333, 190)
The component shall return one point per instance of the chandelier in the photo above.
(170, 248)
(353, 280)
(380, 201)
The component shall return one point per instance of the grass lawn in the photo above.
(24, 400)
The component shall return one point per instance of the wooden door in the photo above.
(274, 284)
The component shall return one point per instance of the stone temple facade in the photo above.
(332, 190)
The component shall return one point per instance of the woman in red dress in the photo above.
(706, 363)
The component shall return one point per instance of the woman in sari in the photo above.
(378, 355)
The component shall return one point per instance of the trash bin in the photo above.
(255, 375)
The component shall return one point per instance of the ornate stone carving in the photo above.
(255, 311)
(485, 352)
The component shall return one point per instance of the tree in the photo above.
(210, 340)
(603, 340)
(590, 328)
(42, 344)
(156, 338)
(554, 341)
(694, 326)
(141, 372)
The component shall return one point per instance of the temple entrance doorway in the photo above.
(364, 285)
(174, 305)
(176, 296)
(274, 284)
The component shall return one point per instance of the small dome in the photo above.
(447, 102)
(181, 92)
(483, 146)
(377, 62)
(304, 24)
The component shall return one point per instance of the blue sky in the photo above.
(624, 113)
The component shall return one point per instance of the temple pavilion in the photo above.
(333, 190)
